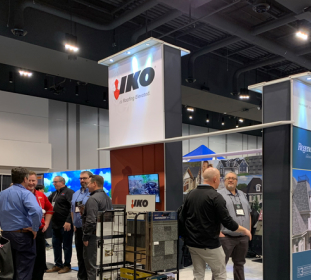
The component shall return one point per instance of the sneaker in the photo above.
(54, 269)
(65, 269)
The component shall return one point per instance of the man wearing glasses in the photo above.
(235, 244)
(61, 225)
(80, 198)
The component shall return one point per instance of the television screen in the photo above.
(144, 184)
(72, 179)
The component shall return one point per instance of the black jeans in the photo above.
(82, 275)
(40, 263)
(59, 238)
(90, 256)
(23, 248)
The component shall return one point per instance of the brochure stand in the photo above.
(110, 232)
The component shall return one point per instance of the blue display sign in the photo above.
(301, 148)
(302, 265)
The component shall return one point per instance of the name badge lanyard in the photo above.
(76, 205)
(238, 211)
(54, 199)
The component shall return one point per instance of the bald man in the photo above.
(203, 212)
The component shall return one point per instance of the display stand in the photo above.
(111, 238)
(135, 252)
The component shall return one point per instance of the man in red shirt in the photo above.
(47, 210)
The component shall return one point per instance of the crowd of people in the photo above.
(26, 213)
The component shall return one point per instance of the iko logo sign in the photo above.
(304, 149)
(139, 203)
(134, 81)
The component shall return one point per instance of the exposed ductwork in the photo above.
(207, 49)
(244, 34)
(249, 67)
(156, 23)
(21, 5)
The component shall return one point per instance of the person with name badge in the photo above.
(235, 244)
(80, 198)
(61, 225)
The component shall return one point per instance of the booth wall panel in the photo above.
(136, 161)
(234, 143)
(277, 178)
(72, 136)
(104, 156)
(88, 137)
(58, 134)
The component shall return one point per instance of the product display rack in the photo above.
(111, 240)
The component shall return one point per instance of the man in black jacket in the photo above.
(203, 212)
(98, 201)
(61, 225)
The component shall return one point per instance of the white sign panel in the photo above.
(136, 98)
(302, 105)
(139, 203)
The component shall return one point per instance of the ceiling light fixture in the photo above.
(105, 96)
(244, 94)
(302, 31)
(302, 35)
(190, 117)
(223, 121)
(77, 90)
(25, 73)
(207, 118)
(11, 77)
(111, 60)
(128, 52)
(71, 48)
(241, 120)
(190, 109)
(308, 79)
(45, 83)
(237, 124)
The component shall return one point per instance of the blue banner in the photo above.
(301, 148)
(302, 265)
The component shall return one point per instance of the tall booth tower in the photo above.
(145, 107)
(286, 178)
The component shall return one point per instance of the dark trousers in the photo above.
(90, 255)
(59, 238)
(82, 275)
(23, 248)
(40, 263)
(236, 248)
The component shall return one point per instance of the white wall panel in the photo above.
(58, 134)
(23, 104)
(72, 136)
(23, 128)
(252, 142)
(104, 156)
(234, 143)
(217, 143)
(195, 143)
(244, 141)
(26, 154)
(185, 143)
(259, 143)
(88, 137)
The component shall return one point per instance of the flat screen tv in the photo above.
(72, 179)
(144, 184)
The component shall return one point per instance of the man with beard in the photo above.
(80, 198)
(235, 244)
(47, 210)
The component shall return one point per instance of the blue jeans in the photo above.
(59, 238)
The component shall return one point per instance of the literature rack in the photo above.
(111, 240)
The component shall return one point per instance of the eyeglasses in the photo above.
(84, 178)
(54, 182)
(231, 178)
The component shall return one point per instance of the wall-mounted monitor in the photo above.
(144, 184)
(72, 179)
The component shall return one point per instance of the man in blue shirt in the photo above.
(20, 218)
(79, 198)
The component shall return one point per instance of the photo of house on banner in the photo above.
(301, 211)
(248, 170)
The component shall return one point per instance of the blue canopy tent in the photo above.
(202, 150)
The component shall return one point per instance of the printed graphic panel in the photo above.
(72, 179)
(301, 148)
(136, 98)
(302, 104)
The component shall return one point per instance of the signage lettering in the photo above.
(132, 81)
(139, 203)
(304, 148)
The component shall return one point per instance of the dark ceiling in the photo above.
(233, 43)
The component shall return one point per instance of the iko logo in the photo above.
(303, 148)
(132, 81)
(139, 203)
